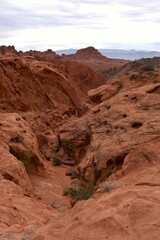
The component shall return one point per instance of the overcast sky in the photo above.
(62, 24)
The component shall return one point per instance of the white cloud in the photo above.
(56, 24)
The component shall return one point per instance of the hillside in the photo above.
(92, 58)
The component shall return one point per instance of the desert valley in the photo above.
(80, 146)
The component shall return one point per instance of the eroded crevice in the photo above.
(113, 165)
(95, 175)
(137, 125)
(29, 160)
(7, 176)
(74, 149)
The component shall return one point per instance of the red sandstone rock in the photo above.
(94, 59)
(10, 49)
(89, 53)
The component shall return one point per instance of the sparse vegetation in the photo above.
(147, 67)
(107, 186)
(23, 156)
(25, 160)
(107, 72)
(82, 193)
(133, 76)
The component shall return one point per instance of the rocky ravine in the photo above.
(114, 145)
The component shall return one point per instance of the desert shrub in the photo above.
(82, 193)
(133, 76)
(25, 159)
(102, 72)
(23, 156)
(107, 186)
(148, 68)
(107, 72)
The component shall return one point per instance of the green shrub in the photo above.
(107, 72)
(81, 193)
(148, 68)
(25, 159)
(133, 76)
(22, 155)
(102, 72)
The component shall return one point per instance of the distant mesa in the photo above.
(89, 52)
(114, 53)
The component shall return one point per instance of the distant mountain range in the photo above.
(117, 53)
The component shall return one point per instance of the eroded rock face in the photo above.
(103, 139)
(127, 213)
(24, 88)
(122, 149)
(19, 140)
(19, 159)
(32, 84)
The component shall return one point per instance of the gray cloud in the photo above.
(140, 11)
(16, 17)
(40, 14)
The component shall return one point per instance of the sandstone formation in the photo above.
(20, 158)
(103, 138)
(94, 59)
(53, 90)
(9, 49)
(88, 53)
(117, 141)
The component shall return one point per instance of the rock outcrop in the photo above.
(30, 84)
(7, 49)
(91, 57)
(20, 158)
(104, 137)
(88, 53)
